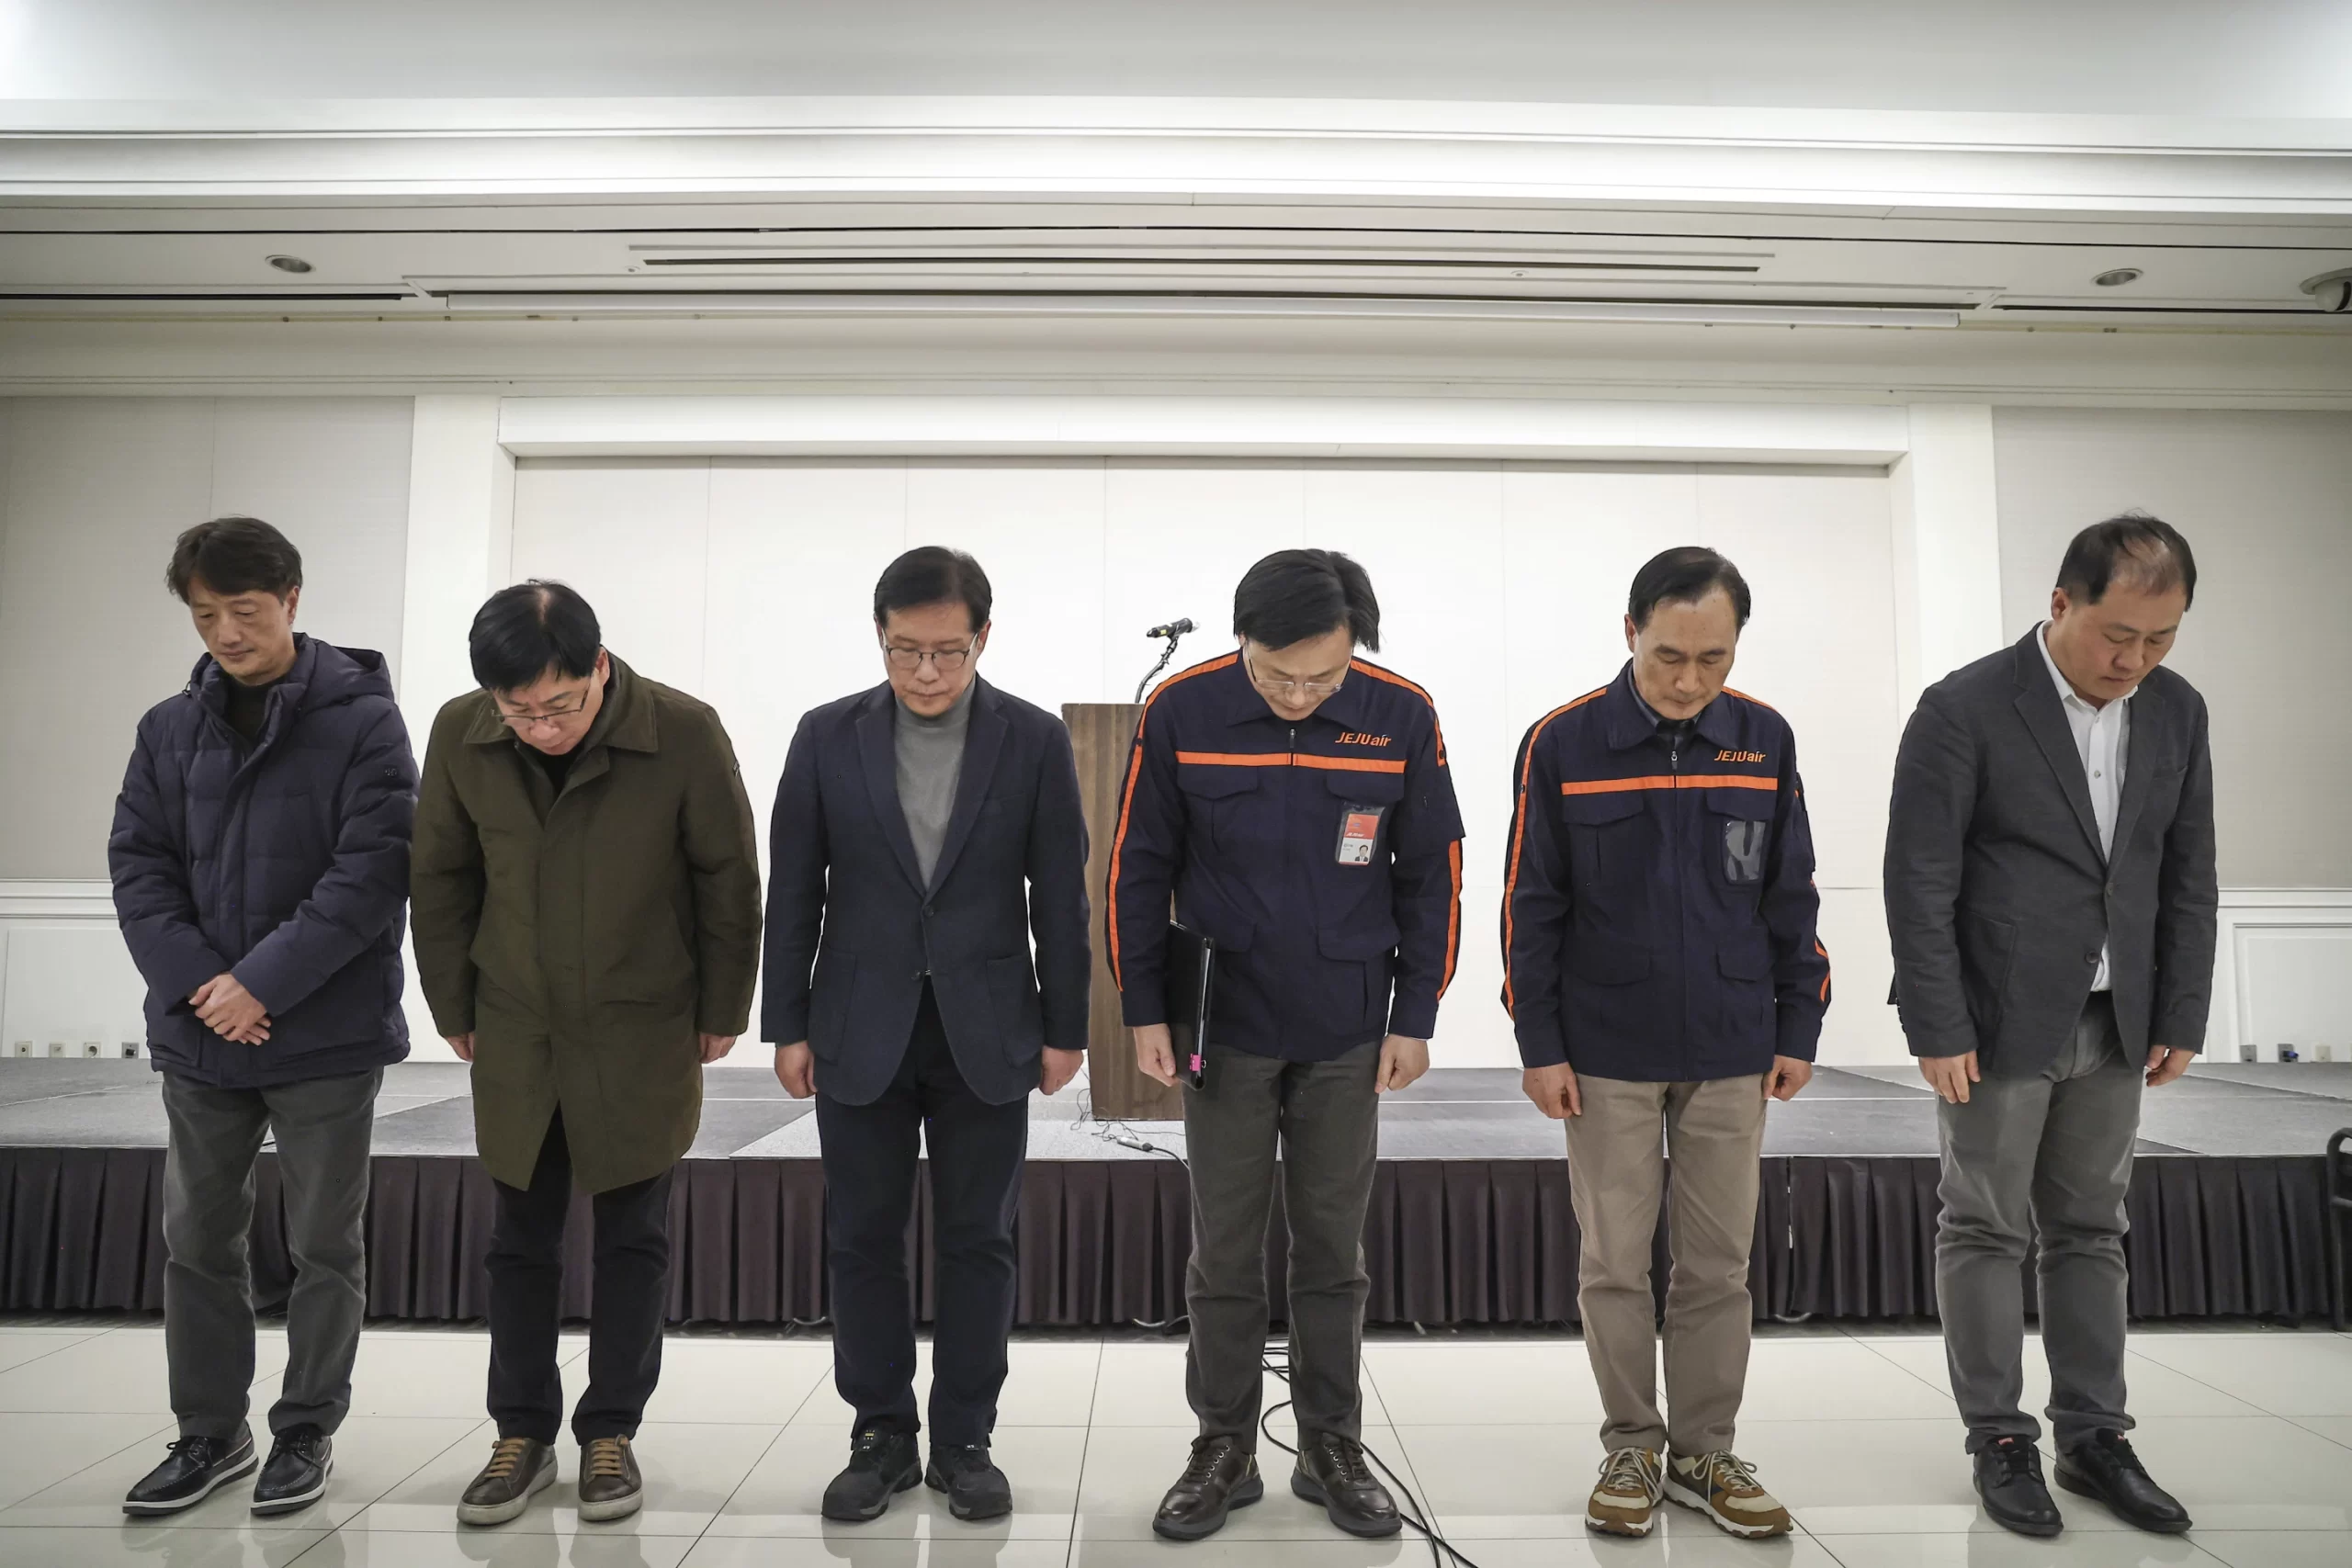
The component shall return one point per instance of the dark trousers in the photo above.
(629, 1298)
(2046, 1154)
(1323, 1119)
(323, 1129)
(869, 1153)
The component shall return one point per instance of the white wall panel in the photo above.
(1037, 527)
(1177, 537)
(632, 536)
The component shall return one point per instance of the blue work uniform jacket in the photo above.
(1658, 908)
(1323, 857)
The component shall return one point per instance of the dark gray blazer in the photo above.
(1997, 896)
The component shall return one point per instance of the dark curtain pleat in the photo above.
(1105, 1242)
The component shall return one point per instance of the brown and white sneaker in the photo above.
(610, 1486)
(1625, 1503)
(1721, 1486)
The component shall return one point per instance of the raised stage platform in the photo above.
(1470, 1222)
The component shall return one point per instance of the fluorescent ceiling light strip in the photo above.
(654, 303)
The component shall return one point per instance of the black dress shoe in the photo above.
(1221, 1476)
(976, 1488)
(1331, 1470)
(882, 1463)
(195, 1469)
(2107, 1469)
(2008, 1477)
(296, 1476)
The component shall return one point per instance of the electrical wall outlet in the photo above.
(2324, 1053)
(57, 1047)
(24, 1048)
(130, 1048)
(2289, 1053)
(2250, 1054)
(90, 1048)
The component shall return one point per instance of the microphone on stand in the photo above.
(1172, 631)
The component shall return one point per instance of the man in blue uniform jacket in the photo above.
(1661, 969)
(926, 830)
(1296, 802)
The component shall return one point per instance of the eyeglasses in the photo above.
(946, 663)
(1291, 691)
(555, 712)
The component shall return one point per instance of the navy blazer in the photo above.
(852, 930)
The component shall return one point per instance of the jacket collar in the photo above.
(877, 721)
(1631, 722)
(2046, 719)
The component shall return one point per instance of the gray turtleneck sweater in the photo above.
(930, 761)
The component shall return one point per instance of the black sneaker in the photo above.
(976, 1488)
(195, 1468)
(296, 1476)
(1331, 1470)
(882, 1463)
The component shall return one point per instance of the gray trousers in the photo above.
(322, 1130)
(2048, 1154)
(1323, 1117)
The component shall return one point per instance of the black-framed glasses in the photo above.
(555, 712)
(946, 663)
(1290, 691)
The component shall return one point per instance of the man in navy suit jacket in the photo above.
(924, 832)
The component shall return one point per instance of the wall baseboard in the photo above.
(2282, 974)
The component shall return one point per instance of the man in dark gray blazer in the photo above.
(2051, 893)
(926, 831)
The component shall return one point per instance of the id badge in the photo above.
(1359, 831)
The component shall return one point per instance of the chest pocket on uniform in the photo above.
(1365, 801)
(1604, 830)
(1743, 823)
(1219, 796)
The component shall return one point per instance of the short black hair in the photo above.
(235, 555)
(2146, 550)
(521, 633)
(933, 574)
(1684, 575)
(1293, 596)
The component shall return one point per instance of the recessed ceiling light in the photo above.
(296, 264)
(2118, 278)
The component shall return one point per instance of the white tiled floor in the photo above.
(1855, 1432)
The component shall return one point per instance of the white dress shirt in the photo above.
(2102, 737)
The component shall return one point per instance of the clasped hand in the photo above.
(223, 1006)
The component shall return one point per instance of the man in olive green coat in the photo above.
(586, 898)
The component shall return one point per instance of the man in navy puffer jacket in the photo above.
(260, 864)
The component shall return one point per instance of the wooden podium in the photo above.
(1101, 734)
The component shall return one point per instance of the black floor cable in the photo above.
(1276, 1362)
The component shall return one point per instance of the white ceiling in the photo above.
(2180, 58)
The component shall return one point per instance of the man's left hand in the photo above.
(226, 1007)
(1787, 1078)
(714, 1046)
(1057, 1067)
(2166, 1063)
(1402, 1059)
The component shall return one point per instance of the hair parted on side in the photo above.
(1293, 596)
(933, 574)
(1684, 575)
(2145, 551)
(522, 632)
(232, 556)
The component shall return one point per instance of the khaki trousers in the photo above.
(1617, 1152)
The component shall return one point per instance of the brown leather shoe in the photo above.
(1221, 1476)
(610, 1487)
(518, 1467)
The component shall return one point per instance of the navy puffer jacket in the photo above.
(284, 862)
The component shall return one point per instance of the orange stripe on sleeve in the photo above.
(1668, 781)
(1127, 801)
(1518, 839)
(1825, 974)
(1452, 921)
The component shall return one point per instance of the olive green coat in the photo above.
(584, 940)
